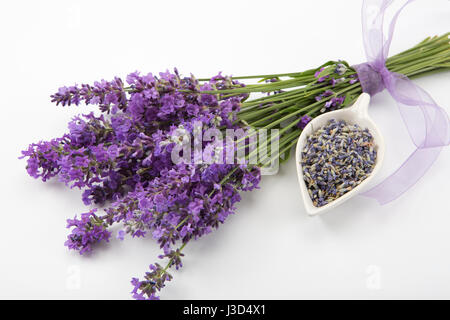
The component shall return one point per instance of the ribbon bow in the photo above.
(427, 123)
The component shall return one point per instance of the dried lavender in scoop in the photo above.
(336, 158)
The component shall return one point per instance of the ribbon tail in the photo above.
(429, 128)
(415, 166)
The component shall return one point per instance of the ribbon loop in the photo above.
(427, 123)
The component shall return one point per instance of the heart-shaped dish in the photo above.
(356, 114)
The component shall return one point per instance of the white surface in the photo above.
(356, 114)
(271, 248)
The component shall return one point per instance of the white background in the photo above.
(271, 248)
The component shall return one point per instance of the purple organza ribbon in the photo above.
(427, 123)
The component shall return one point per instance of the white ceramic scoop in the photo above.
(356, 114)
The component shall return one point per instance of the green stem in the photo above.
(171, 259)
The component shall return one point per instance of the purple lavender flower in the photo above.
(317, 75)
(304, 121)
(43, 158)
(107, 94)
(324, 94)
(154, 281)
(340, 69)
(87, 231)
(334, 81)
(121, 235)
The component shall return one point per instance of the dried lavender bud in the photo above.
(336, 158)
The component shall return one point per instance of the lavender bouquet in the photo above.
(156, 159)
(124, 155)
